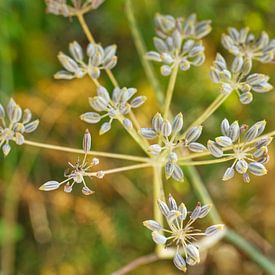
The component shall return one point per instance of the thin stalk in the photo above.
(208, 112)
(121, 169)
(91, 39)
(251, 251)
(204, 162)
(202, 192)
(141, 49)
(140, 140)
(79, 151)
(170, 90)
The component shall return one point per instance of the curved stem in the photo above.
(170, 90)
(250, 250)
(150, 258)
(79, 151)
(85, 27)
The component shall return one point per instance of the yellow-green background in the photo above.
(58, 233)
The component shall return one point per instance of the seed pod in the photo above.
(91, 117)
(172, 203)
(225, 127)
(19, 139)
(50, 185)
(213, 229)
(160, 45)
(241, 166)
(109, 53)
(177, 123)
(152, 225)
(68, 63)
(223, 141)
(2, 111)
(87, 141)
(172, 216)
(87, 191)
(257, 169)
(237, 64)
(98, 103)
(127, 123)
(196, 212)
(169, 168)
(76, 51)
(94, 72)
(196, 147)
(246, 178)
(138, 101)
(68, 188)
(158, 238)
(204, 210)
(157, 122)
(234, 131)
(246, 98)
(105, 127)
(265, 141)
(193, 252)
(154, 56)
(184, 65)
(32, 126)
(214, 149)
(226, 89)
(163, 208)
(6, 149)
(177, 173)
(148, 133)
(155, 149)
(64, 75)
(165, 70)
(179, 262)
(167, 58)
(27, 116)
(166, 128)
(183, 210)
(102, 92)
(193, 134)
(229, 174)
(16, 114)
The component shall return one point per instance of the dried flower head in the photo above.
(238, 78)
(181, 234)
(99, 58)
(248, 156)
(179, 42)
(170, 140)
(14, 122)
(245, 44)
(68, 8)
(78, 172)
(115, 107)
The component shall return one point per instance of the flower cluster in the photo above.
(248, 156)
(245, 44)
(179, 43)
(14, 122)
(238, 78)
(78, 172)
(61, 7)
(115, 107)
(170, 140)
(99, 58)
(182, 234)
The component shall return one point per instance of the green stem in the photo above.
(250, 250)
(170, 90)
(202, 192)
(141, 49)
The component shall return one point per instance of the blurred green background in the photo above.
(56, 233)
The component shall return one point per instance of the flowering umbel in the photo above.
(14, 123)
(68, 8)
(179, 42)
(181, 233)
(245, 44)
(78, 172)
(115, 107)
(170, 141)
(238, 78)
(247, 157)
(99, 58)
